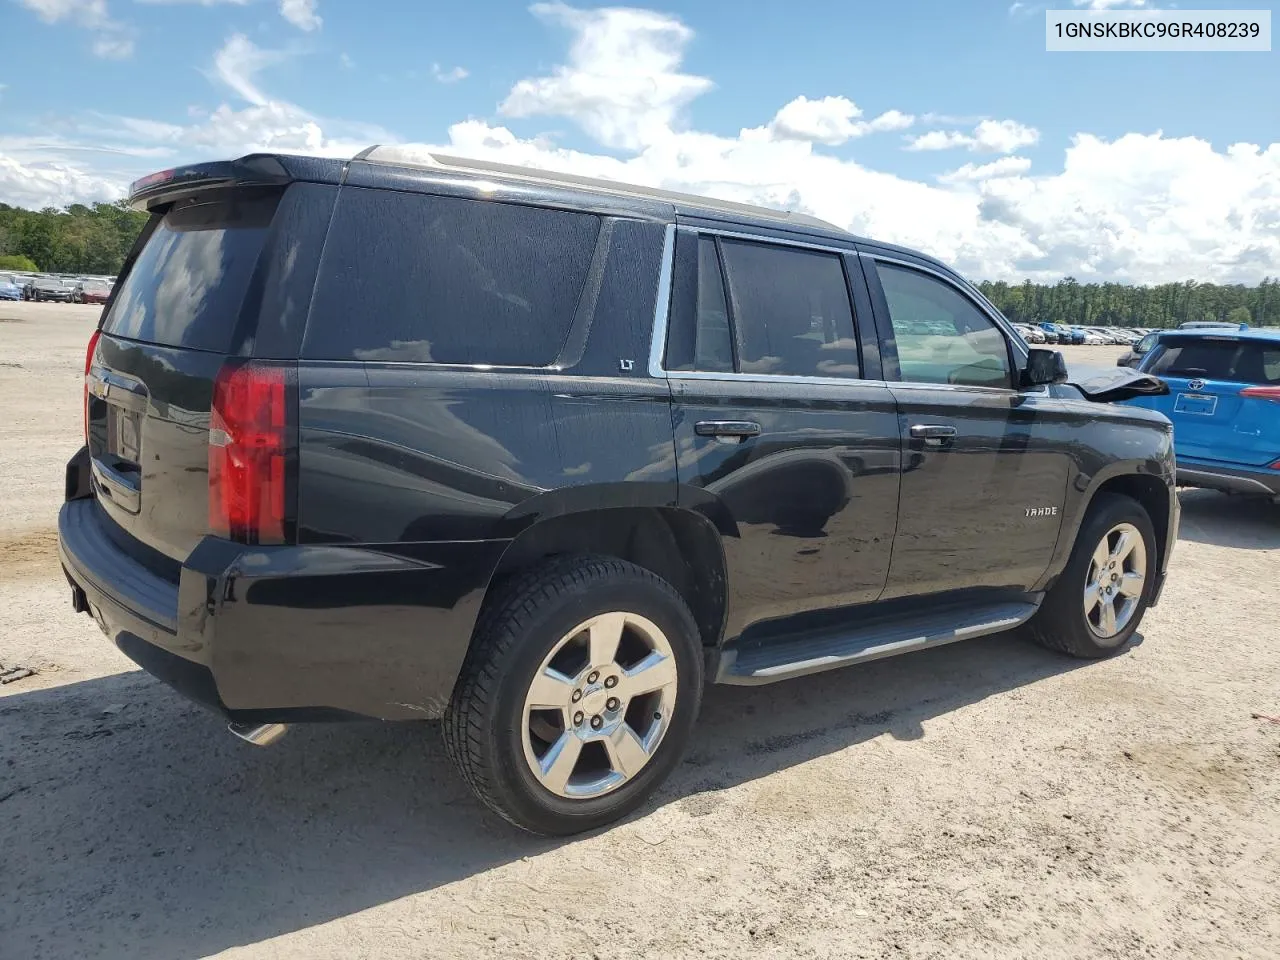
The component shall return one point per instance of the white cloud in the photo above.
(990, 136)
(452, 75)
(831, 121)
(112, 40)
(1141, 207)
(344, 58)
(301, 13)
(971, 172)
(621, 84)
(238, 61)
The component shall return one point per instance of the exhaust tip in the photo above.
(259, 734)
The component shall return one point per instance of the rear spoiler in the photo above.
(257, 169)
(1120, 383)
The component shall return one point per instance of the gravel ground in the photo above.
(981, 800)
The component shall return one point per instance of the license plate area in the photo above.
(124, 436)
(1199, 404)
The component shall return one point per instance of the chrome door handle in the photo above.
(932, 431)
(727, 428)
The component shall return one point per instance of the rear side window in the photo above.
(1237, 361)
(415, 278)
(187, 285)
(790, 309)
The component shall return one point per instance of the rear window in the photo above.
(416, 278)
(1238, 361)
(188, 283)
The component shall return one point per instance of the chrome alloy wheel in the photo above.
(599, 705)
(1117, 575)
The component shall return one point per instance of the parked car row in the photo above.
(58, 289)
(1080, 336)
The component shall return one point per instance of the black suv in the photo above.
(413, 437)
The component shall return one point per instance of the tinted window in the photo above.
(187, 285)
(791, 310)
(1235, 361)
(713, 344)
(942, 336)
(439, 279)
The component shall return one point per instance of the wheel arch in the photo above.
(680, 545)
(1142, 481)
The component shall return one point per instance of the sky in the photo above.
(944, 126)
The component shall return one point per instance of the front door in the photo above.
(985, 466)
(776, 429)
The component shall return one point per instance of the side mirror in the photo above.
(1044, 366)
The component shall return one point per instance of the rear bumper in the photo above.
(1229, 479)
(282, 634)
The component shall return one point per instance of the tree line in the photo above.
(95, 240)
(76, 239)
(1116, 304)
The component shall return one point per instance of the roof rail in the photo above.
(419, 155)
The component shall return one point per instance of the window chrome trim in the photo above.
(969, 292)
(735, 377)
(775, 241)
(662, 307)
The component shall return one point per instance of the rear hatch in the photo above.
(174, 320)
(1224, 396)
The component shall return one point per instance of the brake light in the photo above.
(1262, 393)
(249, 449)
(88, 364)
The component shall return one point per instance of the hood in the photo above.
(1118, 383)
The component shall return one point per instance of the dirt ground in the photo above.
(986, 799)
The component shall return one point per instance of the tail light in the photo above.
(1262, 393)
(88, 364)
(250, 448)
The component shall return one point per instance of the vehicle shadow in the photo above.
(132, 825)
(1218, 519)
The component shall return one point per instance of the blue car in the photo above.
(1224, 401)
(9, 288)
(1055, 332)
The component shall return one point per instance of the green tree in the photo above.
(17, 262)
(1239, 315)
(78, 239)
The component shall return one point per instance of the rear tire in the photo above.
(1099, 600)
(552, 723)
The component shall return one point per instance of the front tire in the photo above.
(578, 694)
(1099, 600)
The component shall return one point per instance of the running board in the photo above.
(802, 654)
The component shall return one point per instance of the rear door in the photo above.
(784, 430)
(985, 466)
(1214, 416)
(204, 270)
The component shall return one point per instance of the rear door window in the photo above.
(790, 309)
(418, 278)
(1236, 361)
(188, 283)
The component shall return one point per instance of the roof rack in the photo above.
(416, 155)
